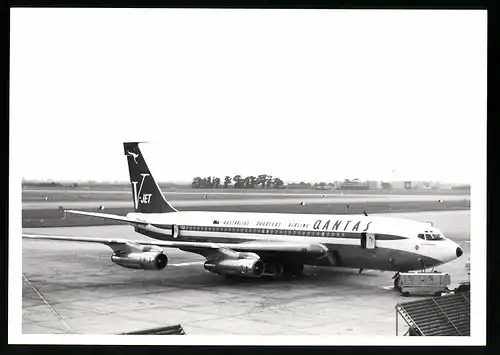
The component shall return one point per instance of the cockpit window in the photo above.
(431, 236)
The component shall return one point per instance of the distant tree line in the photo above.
(48, 184)
(238, 182)
(265, 181)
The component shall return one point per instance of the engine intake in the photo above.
(238, 267)
(146, 260)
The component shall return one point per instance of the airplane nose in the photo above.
(459, 252)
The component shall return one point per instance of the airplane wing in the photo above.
(115, 244)
(113, 217)
(205, 249)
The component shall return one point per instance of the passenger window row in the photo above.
(266, 231)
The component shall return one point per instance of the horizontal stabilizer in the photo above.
(108, 216)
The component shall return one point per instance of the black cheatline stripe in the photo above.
(388, 237)
(267, 231)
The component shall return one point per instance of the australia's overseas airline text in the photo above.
(326, 225)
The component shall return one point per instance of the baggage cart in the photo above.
(422, 283)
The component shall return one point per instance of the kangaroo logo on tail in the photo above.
(133, 155)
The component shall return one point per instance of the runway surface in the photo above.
(239, 192)
(34, 205)
(75, 288)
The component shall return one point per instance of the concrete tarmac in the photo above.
(75, 288)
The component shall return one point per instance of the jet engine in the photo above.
(247, 267)
(150, 260)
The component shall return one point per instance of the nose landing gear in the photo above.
(396, 281)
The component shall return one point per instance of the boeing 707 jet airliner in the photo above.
(253, 244)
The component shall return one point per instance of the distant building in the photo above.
(374, 185)
(353, 185)
(399, 185)
(410, 185)
(461, 187)
(386, 185)
(424, 185)
(443, 186)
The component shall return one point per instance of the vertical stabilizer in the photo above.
(146, 193)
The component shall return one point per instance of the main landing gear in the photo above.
(293, 270)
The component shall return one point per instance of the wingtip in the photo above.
(63, 211)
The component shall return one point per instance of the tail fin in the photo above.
(147, 195)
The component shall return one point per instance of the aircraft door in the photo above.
(370, 241)
(175, 230)
(367, 241)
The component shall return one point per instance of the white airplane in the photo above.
(253, 244)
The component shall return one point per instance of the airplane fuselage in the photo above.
(356, 241)
(253, 244)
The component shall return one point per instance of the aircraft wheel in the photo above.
(293, 269)
(299, 270)
(274, 268)
(406, 293)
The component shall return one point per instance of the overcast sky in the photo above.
(299, 94)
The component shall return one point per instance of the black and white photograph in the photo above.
(247, 176)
